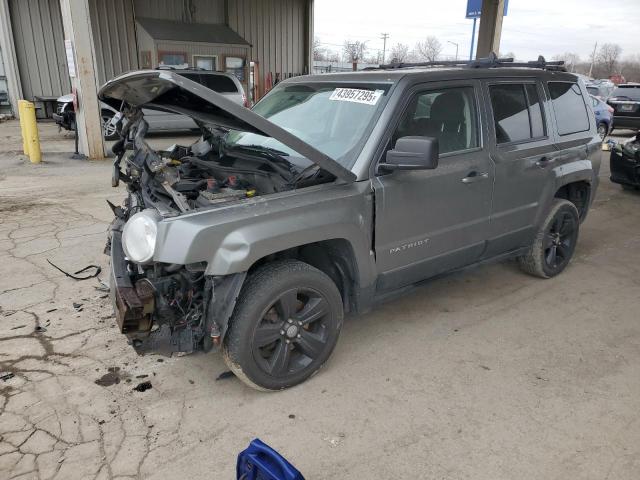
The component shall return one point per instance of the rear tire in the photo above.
(555, 242)
(284, 327)
(603, 130)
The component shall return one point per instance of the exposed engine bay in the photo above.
(204, 174)
(170, 308)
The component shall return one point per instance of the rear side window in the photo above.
(517, 112)
(571, 112)
(219, 83)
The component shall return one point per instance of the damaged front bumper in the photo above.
(168, 309)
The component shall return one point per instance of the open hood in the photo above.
(169, 91)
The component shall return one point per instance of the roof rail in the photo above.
(492, 61)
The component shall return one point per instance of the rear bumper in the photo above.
(626, 122)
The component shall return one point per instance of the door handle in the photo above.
(474, 176)
(543, 162)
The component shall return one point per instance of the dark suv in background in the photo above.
(334, 193)
(625, 101)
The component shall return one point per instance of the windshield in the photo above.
(333, 118)
(631, 92)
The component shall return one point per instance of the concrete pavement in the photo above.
(487, 374)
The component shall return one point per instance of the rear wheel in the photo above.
(109, 131)
(555, 243)
(603, 129)
(285, 325)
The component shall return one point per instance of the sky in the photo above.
(531, 27)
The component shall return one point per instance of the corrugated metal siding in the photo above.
(39, 43)
(196, 11)
(114, 35)
(276, 31)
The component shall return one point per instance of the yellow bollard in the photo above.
(33, 139)
(23, 128)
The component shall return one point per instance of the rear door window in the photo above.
(517, 112)
(569, 106)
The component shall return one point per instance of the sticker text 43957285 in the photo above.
(356, 95)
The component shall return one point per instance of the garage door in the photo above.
(39, 43)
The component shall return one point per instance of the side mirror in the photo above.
(412, 153)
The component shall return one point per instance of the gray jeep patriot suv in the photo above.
(334, 193)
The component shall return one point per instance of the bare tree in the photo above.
(429, 49)
(354, 51)
(630, 68)
(570, 59)
(399, 53)
(607, 58)
(319, 53)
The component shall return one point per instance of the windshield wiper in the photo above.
(276, 157)
(303, 173)
(260, 148)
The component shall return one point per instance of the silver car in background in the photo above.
(223, 83)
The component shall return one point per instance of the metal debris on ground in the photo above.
(143, 387)
(6, 376)
(74, 275)
(102, 286)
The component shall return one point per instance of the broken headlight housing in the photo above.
(139, 236)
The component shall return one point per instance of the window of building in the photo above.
(571, 112)
(517, 112)
(205, 62)
(174, 59)
(448, 114)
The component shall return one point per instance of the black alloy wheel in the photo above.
(292, 333)
(559, 240)
(553, 246)
(285, 325)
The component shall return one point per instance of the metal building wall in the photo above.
(39, 44)
(114, 36)
(277, 31)
(189, 11)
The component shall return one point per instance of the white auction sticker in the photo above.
(356, 95)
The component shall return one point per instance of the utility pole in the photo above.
(454, 43)
(384, 45)
(593, 59)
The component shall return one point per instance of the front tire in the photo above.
(284, 327)
(555, 243)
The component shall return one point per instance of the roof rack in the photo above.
(492, 61)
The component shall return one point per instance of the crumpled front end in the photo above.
(165, 308)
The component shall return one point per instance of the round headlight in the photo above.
(139, 236)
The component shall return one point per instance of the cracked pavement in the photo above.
(486, 374)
